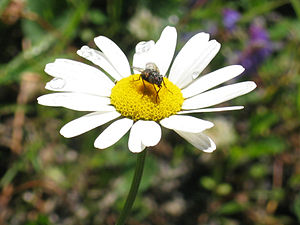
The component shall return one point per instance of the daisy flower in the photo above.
(115, 93)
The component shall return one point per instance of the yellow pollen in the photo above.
(138, 102)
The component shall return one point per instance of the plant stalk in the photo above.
(134, 187)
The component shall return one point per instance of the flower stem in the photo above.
(134, 187)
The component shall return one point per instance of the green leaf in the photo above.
(259, 148)
(97, 17)
(208, 183)
(262, 122)
(258, 170)
(41, 220)
(223, 189)
(230, 208)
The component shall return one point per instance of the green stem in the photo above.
(134, 188)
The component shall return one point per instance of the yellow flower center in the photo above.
(138, 99)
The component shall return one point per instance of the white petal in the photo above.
(99, 59)
(192, 59)
(142, 54)
(77, 77)
(220, 109)
(151, 133)
(86, 123)
(208, 54)
(160, 53)
(113, 133)
(77, 101)
(135, 138)
(198, 140)
(211, 80)
(187, 55)
(186, 123)
(143, 134)
(164, 49)
(114, 54)
(218, 95)
(203, 60)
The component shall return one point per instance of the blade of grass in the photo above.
(27, 59)
(296, 6)
(69, 30)
(12, 71)
(262, 9)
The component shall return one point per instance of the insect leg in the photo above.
(138, 79)
(166, 86)
(144, 86)
(157, 97)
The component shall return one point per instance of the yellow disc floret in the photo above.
(138, 99)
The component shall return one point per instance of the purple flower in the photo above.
(230, 18)
(260, 47)
(258, 34)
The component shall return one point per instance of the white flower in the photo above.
(135, 104)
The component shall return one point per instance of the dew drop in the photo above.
(85, 52)
(144, 46)
(85, 48)
(195, 74)
(57, 83)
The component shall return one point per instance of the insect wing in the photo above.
(152, 66)
(137, 69)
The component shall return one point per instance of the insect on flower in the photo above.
(152, 75)
(82, 87)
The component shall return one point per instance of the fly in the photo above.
(152, 75)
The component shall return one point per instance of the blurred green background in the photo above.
(252, 178)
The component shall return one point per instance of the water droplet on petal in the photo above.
(57, 83)
(85, 48)
(195, 74)
(90, 54)
(144, 46)
(85, 52)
